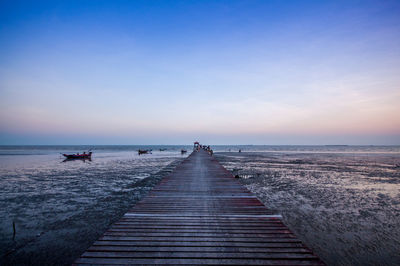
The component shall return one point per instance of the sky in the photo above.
(221, 72)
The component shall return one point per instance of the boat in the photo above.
(78, 156)
(183, 151)
(144, 151)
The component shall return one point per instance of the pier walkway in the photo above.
(199, 214)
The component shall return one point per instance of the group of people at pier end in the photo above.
(197, 146)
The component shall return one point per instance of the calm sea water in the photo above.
(59, 208)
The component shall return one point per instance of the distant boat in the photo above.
(144, 152)
(163, 149)
(78, 156)
(183, 151)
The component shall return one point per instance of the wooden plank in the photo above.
(200, 238)
(197, 255)
(197, 230)
(204, 261)
(102, 248)
(199, 214)
(198, 244)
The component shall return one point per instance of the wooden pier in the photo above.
(199, 214)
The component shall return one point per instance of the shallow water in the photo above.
(344, 205)
(60, 208)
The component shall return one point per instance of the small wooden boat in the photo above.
(144, 152)
(78, 156)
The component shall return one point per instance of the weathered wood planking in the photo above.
(199, 214)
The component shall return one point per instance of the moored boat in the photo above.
(143, 151)
(78, 156)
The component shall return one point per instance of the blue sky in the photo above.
(223, 72)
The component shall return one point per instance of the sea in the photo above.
(342, 201)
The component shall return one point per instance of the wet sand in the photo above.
(345, 207)
(60, 211)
